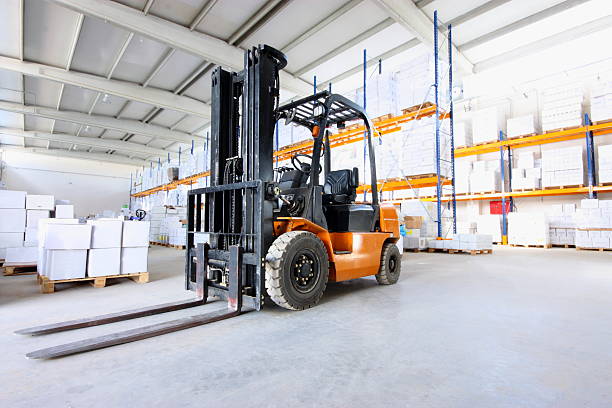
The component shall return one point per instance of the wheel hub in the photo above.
(305, 271)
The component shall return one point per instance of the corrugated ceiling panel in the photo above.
(10, 28)
(42, 92)
(176, 70)
(48, 32)
(225, 18)
(11, 120)
(66, 127)
(181, 12)
(11, 140)
(191, 123)
(113, 134)
(77, 99)
(140, 58)
(137, 4)
(201, 88)
(97, 47)
(167, 118)
(136, 110)
(37, 123)
(109, 105)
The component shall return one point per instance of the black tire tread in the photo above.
(383, 277)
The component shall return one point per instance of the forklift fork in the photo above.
(233, 309)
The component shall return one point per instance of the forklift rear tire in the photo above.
(390, 265)
(297, 269)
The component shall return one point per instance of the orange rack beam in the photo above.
(172, 185)
(552, 137)
(403, 184)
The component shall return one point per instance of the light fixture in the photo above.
(106, 98)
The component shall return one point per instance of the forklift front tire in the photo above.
(297, 269)
(390, 265)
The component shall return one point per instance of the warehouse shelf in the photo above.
(172, 185)
(406, 184)
(600, 129)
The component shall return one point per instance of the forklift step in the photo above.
(128, 336)
(342, 252)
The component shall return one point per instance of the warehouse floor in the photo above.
(521, 327)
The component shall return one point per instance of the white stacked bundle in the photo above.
(605, 163)
(594, 224)
(601, 101)
(562, 236)
(520, 126)
(345, 157)
(381, 95)
(187, 164)
(463, 169)
(489, 225)
(63, 211)
(12, 219)
(415, 79)
(104, 256)
(462, 134)
(486, 124)
(466, 227)
(63, 247)
(485, 177)
(134, 247)
(22, 255)
(525, 174)
(562, 107)
(156, 216)
(561, 221)
(562, 167)
(417, 152)
(424, 209)
(528, 229)
(469, 242)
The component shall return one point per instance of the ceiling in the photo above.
(129, 80)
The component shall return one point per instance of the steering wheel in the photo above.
(300, 166)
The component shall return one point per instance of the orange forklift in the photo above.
(261, 234)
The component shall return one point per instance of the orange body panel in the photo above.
(365, 247)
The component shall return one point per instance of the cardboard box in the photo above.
(63, 236)
(413, 222)
(135, 234)
(64, 211)
(32, 217)
(12, 220)
(65, 263)
(106, 234)
(12, 199)
(40, 202)
(31, 236)
(104, 262)
(11, 239)
(24, 255)
(134, 260)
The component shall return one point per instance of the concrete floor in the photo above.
(519, 328)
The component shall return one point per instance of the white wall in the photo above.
(92, 186)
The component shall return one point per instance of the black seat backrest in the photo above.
(341, 186)
(292, 179)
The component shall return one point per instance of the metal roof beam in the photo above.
(476, 12)
(416, 21)
(351, 43)
(127, 90)
(524, 22)
(176, 36)
(80, 155)
(105, 122)
(548, 42)
(86, 141)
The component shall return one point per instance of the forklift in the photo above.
(264, 235)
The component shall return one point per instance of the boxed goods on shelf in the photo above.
(561, 107)
(416, 149)
(463, 168)
(562, 167)
(593, 239)
(64, 211)
(486, 124)
(482, 181)
(528, 229)
(601, 101)
(32, 217)
(381, 94)
(604, 159)
(562, 236)
(414, 80)
(520, 126)
(462, 134)
(12, 199)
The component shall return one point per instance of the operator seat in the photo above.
(341, 212)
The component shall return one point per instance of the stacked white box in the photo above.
(65, 250)
(463, 134)
(134, 247)
(561, 107)
(415, 149)
(489, 225)
(41, 232)
(520, 126)
(40, 202)
(105, 253)
(486, 125)
(562, 167)
(414, 82)
(12, 220)
(482, 181)
(528, 229)
(12, 199)
(22, 255)
(604, 159)
(32, 217)
(381, 94)
(601, 101)
(64, 211)
(594, 224)
(463, 169)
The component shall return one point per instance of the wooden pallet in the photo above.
(522, 136)
(569, 186)
(562, 129)
(531, 246)
(461, 251)
(484, 192)
(520, 190)
(593, 249)
(563, 246)
(177, 246)
(158, 244)
(12, 268)
(421, 176)
(605, 184)
(382, 117)
(417, 108)
(48, 286)
(412, 250)
(599, 122)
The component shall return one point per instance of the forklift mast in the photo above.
(236, 210)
